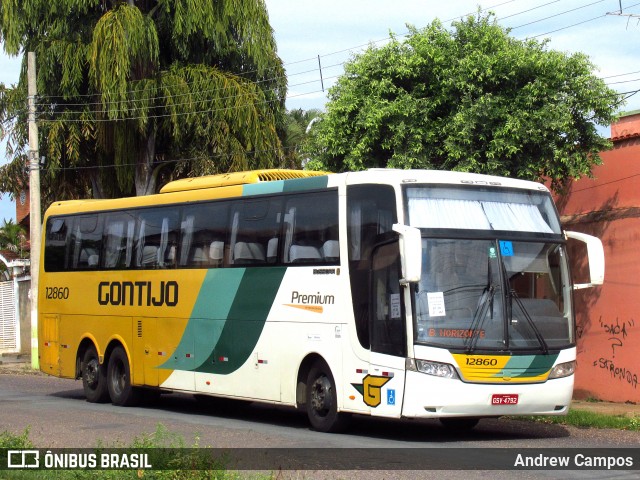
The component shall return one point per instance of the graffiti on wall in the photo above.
(618, 334)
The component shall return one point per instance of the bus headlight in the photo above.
(436, 369)
(563, 370)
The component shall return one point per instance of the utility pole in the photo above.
(34, 205)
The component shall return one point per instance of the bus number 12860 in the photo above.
(57, 293)
(482, 362)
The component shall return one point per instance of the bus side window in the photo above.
(118, 241)
(57, 230)
(203, 232)
(87, 242)
(156, 239)
(255, 225)
(311, 234)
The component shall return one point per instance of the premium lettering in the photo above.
(148, 294)
(308, 299)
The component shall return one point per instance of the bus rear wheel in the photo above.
(322, 400)
(119, 380)
(94, 377)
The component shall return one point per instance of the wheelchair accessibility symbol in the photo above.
(391, 396)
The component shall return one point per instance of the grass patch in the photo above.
(587, 419)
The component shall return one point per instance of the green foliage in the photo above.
(187, 462)
(12, 236)
(13, 441)
(297, 123)
(588, 419)
(470, 99)
(134, 94)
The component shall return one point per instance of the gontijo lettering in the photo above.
(138, 293)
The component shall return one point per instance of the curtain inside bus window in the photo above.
(186, 229)
(164, 252)
(131, 225)
(113, 243)
(481, 209)
(140, 243)
(477, 215)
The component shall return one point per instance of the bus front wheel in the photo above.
(322, 400)
(119, 380)
(94, 377)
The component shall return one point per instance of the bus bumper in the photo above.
(426, 396)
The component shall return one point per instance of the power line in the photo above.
(145, 99)
(155, 107)
(556, 15)
(528, 10)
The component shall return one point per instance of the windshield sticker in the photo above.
(506, 248)
(492, 252)
(396, 312)
(436, 304)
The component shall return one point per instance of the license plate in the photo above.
(504, 399)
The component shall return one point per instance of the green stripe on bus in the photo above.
(279, 186)
(262, 188)
(209, 314)
(311, 183)
(528, 365)
(246, 320)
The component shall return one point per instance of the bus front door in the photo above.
(385, 386)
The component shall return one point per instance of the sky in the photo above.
(315, 39)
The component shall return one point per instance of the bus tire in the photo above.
(119, 380)
(322, 400)
(94, 377)
(459, 424)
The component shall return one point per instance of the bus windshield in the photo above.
(494, 271)
(493, 295)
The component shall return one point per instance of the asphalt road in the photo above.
(57, 416)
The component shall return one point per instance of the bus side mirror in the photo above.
(410, 253)
(595, 252)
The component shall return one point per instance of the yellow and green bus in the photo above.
(394, 293)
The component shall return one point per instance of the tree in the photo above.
(12, 236)
(296, 131)
(469, 99)
(134, 93)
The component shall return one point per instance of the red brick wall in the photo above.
(608, 317)
(22, 206)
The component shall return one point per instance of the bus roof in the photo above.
(407, 177)
(234, 184)
(236, 178)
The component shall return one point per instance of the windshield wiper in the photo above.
(543, 344)
(486, 300)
